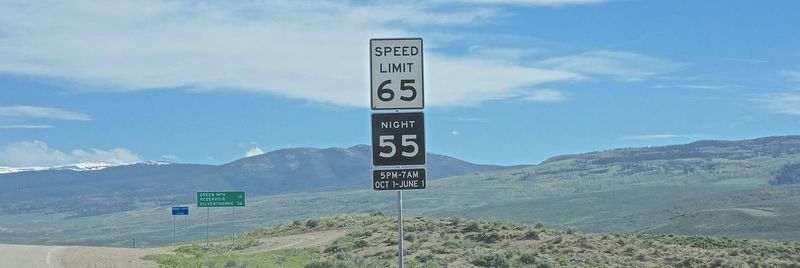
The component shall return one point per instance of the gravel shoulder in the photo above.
(80, 257)
(30, 256)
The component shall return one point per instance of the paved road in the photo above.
(24, 256)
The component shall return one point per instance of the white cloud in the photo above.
(21, 111)
(507, 54)
(693, 86)
(37, 153)
(618, 65)
(455, 132)
(657, 136)
(304, 50)
(533, 2)
(468, 81)
(253, 152)
(782, 103)
(546, 95)
(793, 75)
(169, 156)
(24, 126)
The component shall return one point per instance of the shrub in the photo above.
(539, 225)
(425, 258)
(473, 227)
(527, 258)
(340, 245)
(488, 237)
(787, 174)
(410, 237)
(313, 223)
(570, 230)
(361, 243)
(456, 220)
(326, 264)
(297, 222)
(532, 235)
(491, 259)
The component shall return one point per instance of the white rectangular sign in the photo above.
(396, 73)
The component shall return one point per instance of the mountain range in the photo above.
(717, 188)
(89, 189)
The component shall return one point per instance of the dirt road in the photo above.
(26, 256)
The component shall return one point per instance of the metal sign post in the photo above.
(234, 228)
(400, 225)
(186, 228)
(220, 199)
(173, 229)
(178, 211)
(208, 241)
(398, 139)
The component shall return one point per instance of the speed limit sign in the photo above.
(396, 73)
(398, 139)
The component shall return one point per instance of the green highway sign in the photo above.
(220, 199)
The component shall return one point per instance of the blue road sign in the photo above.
(180, 210)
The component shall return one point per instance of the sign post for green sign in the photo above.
(220, 199)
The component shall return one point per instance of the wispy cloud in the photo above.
(746, 60)
(513, 55)
(782, 103)
(24, 126)
(21, 111)
(551, 3)
(455, 132)
(253, 152)
(793, 75)
(169, 156)
(546, 95)
(37, 153)
(694, 86)
(284, 48)
(657, 136)
(618, 65)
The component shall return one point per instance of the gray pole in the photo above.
(208, 242)
(173, 229)
(185, 228)
(400, 225)
(234, 228)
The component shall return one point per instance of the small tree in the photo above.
(787, 174)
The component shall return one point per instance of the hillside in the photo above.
(371, 241)
(720, 190)
(145, 185)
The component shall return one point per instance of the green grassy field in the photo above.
(371, 241)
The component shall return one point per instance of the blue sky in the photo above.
(507, 82)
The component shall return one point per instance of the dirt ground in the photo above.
(90, 257)
(296, 241)
(23, 256)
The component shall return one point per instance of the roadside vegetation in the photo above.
(371, 241)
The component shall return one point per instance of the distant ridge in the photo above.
(101, 188)
(732, 149)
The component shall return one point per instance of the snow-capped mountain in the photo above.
(86, 166)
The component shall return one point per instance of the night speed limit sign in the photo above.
(396, 73)
(398, 139)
